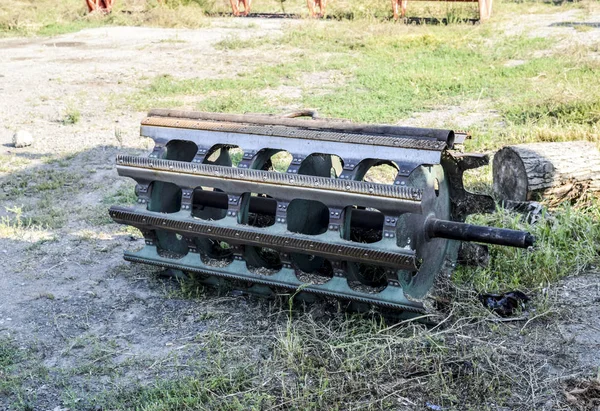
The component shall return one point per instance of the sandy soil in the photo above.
(67, 289)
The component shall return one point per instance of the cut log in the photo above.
(549, 172)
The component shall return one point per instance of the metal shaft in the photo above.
(370, 220)
(468, 232)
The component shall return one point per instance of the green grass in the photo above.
(392, 73)
(9, 354)
(38, 181)
(303, 363)
(13, 376)
(567, 243)
(37, 197)
(557, 110)
(219, 94)
(51, 18)
(72, 116)
(123, 195)
(11, 162)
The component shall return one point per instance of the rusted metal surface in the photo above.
(424, 143)
(364, 131)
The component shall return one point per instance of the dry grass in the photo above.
(302, 359)
(47, 17)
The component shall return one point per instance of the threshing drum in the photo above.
(211, 202)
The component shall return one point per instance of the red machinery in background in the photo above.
(104, 6)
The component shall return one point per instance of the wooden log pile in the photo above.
(552, 172)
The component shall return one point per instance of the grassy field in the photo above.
(523, 85)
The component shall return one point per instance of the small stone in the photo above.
(22, 138)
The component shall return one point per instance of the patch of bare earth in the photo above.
(464, 116)
(315, 83)
(66, 295)
(556, 26)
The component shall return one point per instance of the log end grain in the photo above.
(554, 172)
(510, 176)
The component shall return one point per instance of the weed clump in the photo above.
(567, 243)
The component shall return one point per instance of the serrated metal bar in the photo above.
(303, 144)
(333, 192)
(289, 242)
(337, 287)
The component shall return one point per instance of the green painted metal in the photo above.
(203, 210)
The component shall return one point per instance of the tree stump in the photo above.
(554, 172)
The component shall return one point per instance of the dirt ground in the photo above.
(66, 289)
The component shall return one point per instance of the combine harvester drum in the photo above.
(317, 226)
